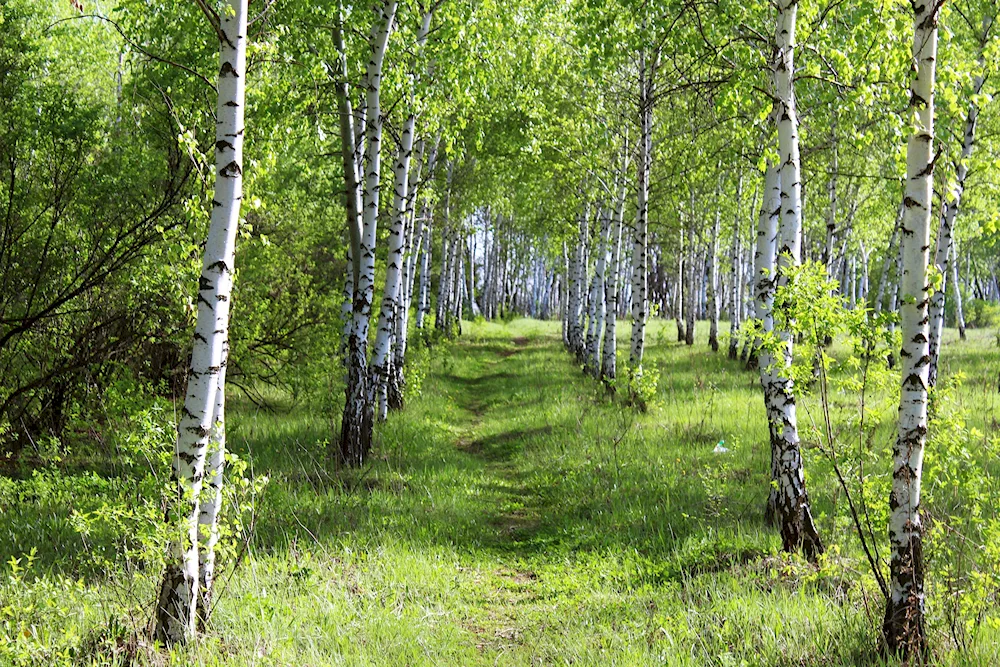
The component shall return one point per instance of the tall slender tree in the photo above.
(798, 530)
(903, 627)
(358, 417)
(202, 417)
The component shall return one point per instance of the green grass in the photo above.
(514, 515)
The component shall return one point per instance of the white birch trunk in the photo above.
(957, 294)
(597, 305)
(578, 269)
(424, 293)
(903, 627)
(176, 610)
(680, 291)
(568, 300)
(357, 422)
(944, 257)
(796, 523)
(736, 288)
(640, 278)
(381, 355)
(713, 278)
(211, 499)
(609, 364)
(883, 279)
(691, 290)
(411, 250)
(765, 262)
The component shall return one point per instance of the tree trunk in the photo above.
(579, 269)
(211, 500)
(176, 609)
(424, 292)
(568, 289)
(736, 288)
(381, 355)
(765, 260)
(412, 234)
(680, 292)
(640, 296)
(691, 288)
(597, 308)
(883, 279)
(396, 379)
(797, 528)
(713, 277)
(944, 256)
(903, 627)
(609, 365)
(357, 422)
(957, 293)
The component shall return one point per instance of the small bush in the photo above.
(980, 314)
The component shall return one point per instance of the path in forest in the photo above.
(517, 512)
(509, 596)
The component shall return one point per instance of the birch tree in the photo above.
(202, 417)
(609, 364)
(357, 422)
(597, 295)
(792, 502)
(903, 627)
(737, 269)
(713, 280)
(944, 255)
(640, 297)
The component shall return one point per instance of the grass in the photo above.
(514, 515)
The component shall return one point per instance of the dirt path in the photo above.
(516, 515)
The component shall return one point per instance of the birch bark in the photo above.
(424, 293)
(944, 256)
(713, 278)
(798, 530)
(357, 422)
(597, 294)
(381, 357)
(903, 627)
(176, 609)
(736, 288)
(887, 262)
(640, 296)
(609, 364)
(679, 311)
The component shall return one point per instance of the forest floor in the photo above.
(515, 515)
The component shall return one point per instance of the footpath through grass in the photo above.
(514, 515)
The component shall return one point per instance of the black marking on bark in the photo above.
(231, 170)
(227, 69)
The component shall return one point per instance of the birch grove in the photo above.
(806, 195)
